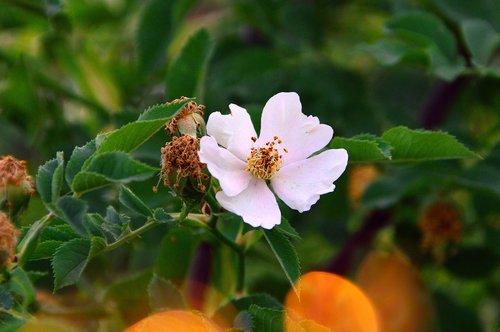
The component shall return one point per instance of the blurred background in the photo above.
(72, 69)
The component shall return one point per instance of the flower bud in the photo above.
(16, 186)
(8, 241)
(181, 168)
(188, 122)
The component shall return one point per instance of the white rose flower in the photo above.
(281, 156)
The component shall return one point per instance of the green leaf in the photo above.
(176, 250)
(453, 317)
(230, 225)
(163, 112)
(267, 320)
(45, 249)
(363, 148)
(426, 27)
(133, 202)
(6, 300)
(49, 179)
(287, 229)
(185, 76)
(72, 257)
(113, 224)
(111, 167)
(21, 285)
(482, 40)
(161, 216)
(422, 145)
(473, 263)
(285, 254)
(163, 295)
(78, 157)
(153, 34)
(72, 210)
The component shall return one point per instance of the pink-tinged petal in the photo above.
(301, 135)
(300, 184)
(223, 165)
(233, 131)
(256, 205)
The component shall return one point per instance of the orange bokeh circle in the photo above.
(331, 301)
(175, 321)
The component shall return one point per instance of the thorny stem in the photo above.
(149, 224)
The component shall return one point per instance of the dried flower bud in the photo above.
(181, 165)
(189, 121)
(440, 224)
(8, 241)
(16, 186)
(360, 177)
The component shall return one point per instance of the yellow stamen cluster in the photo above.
(191, 113)
(8, 241)
(14, 172)
(440, 223)
(179, 159)
(265, 161)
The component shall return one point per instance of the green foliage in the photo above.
(401, 144)
(49, 179)
(285, 254)
(71, 258)
(163, 295)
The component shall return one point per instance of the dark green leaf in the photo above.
(230, 225)
(6, 300)
(287, 229)
(49, 179)
(161, 216)
(72, 257)
(266, 320)
(21, 285)
(453, 317)
(133, 202)
(285, 254)
(176, 251)
(72, 210)
(78, 157)
(186, 74)
(45, 249)
(163, 295)
(422, 145)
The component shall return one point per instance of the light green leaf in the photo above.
(87, 181)
(133, 202)
(78, 157)
(363, 148)
(49, 179)
(111, 167)
(285, 254)
(422, 145)
(482, 40)
(163, 112)
(163, 295)
(72, 257)
(185, 76)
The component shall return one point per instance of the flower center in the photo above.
(264, 162)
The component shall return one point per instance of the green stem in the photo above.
(29, 241)
(132, 235)
(212, 202)
(236, 248)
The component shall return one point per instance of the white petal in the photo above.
(301, 135)
(256, 205)
(233, 131)
(223, 165)
(300, 184)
